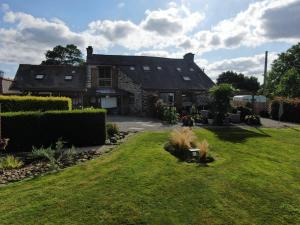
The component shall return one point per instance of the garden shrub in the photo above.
(245, 111)
(170, 115)
(291, 109)
(55, 156)
(203, 150)
(252, 120)
(77, 127)
(182, 140)
(112, 129)
(10, 162)
(34, 103)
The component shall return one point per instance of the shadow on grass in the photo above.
(237, 134)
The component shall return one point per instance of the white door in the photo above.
(109, 102)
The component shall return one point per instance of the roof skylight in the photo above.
(132, 68)
(39, 76)
(179, 69)
(146, 68)
(192, 69)
(186, 78)
(68, 77)
(159, 68)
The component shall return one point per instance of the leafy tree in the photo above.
(289, 85)
(286, 61)
(221, 94)
(70, 55)
(239, 81)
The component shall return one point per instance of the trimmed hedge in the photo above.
(291, 109)
(34, 103)
(79, 128)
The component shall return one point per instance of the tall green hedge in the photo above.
(77, 127)
(291, 109)
(34, 103)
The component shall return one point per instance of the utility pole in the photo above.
(265, 71)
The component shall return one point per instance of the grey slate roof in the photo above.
(54, 79)
(166, 79)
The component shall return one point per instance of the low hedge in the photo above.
(291, 109)
(79, 128)
(34, 103)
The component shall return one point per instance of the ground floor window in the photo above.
(168, 98)
(108, 102)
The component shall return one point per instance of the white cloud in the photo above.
(262, 22)
(250, 66)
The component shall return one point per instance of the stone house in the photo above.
(122, 84)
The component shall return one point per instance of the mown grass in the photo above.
(254, 180)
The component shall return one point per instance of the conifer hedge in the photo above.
(34, 103)
(78, 127)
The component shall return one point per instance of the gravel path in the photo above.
(130, 123)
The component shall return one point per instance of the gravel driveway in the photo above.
(129, 123)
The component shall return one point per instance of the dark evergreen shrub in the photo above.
(34, 103)
(78, 128)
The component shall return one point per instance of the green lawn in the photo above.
(254, 180)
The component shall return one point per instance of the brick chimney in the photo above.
(189, 57)
(89, 51)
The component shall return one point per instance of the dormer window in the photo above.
(192, 69)
(186, 78)
(39, 76)
(146, 68)
(132, 68)
(159, 68)
(178, 69)
(68, 77)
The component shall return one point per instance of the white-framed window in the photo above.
(39, 76)
(186, 78)
(105, 76)
(132, 68)
(146, 68)
(192, 69)
(68, 77)
(159, 68)
(178, 69)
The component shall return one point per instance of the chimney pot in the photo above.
(89, 51)
(189, 57)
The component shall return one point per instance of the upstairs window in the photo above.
(146, 68)
(105, 76)
(39, 76)
(178, 69)
(186, 78)
(68, 77)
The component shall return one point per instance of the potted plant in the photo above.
(210, 118)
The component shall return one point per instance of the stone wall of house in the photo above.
(127, 84)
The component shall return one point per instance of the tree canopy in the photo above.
(239, 81)
(61, 55)
(283, 79)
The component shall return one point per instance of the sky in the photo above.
(223, 35)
